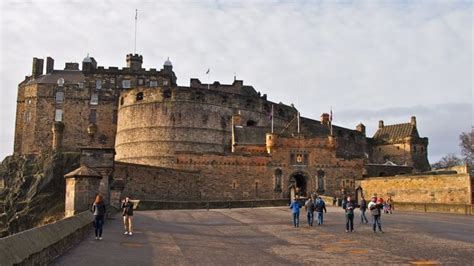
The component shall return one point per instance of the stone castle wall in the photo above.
(442, 188)
(168, 121)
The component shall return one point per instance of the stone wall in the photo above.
(434, 188)
(50, 241)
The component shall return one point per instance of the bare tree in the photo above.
(467, 146)
(448, 161)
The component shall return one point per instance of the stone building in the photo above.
(202, 141)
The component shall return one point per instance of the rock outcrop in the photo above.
(34, 189)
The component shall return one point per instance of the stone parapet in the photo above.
(40, 245)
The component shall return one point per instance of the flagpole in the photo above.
(330, 121)
(136, 17)
(272, 118)
(298, 122)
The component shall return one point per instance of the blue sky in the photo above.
(369, 60)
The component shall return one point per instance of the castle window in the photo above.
(165, 82)
(126, 84)
(234, 184)
(59, 97)
(114, 116)
(93, 116)
(94, 99)
(29, 101)
(121, 100)
(140, 82)
(60, 82)
(27, 117)
(139, 96)
(278, 175)
(58, 116)
(80, 85)
(251, 123)
(167, 94)
(98, 84)
(153, 83)
(112, 80)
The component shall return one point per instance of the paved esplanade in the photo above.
(265, 236)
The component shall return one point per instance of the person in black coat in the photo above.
(127, 213)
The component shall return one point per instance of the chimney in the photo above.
(37, 67)
(49, 65)
(413, 121)
(380, 124)
(71, 66)
(325, 119)
(361, 128)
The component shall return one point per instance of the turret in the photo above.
(361, 128)
(413, 121)
(89, 63)
(325, 119)
(134, 61)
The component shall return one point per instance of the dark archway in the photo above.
(300, 180)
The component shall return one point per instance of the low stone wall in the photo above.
(433, 188)
(170, 205)
(435, 207)
(39, 246)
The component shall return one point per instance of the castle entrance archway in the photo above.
(300, 181)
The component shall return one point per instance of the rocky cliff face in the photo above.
(34, 190)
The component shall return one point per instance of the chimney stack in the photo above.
(361, 128)
(380, 124)
(37, 67)
(49, 65)
(413, 121)
(325, 119)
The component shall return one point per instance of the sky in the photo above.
(367, 60)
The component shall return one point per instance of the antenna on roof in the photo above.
(136, 18)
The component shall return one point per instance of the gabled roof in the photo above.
(396, 132)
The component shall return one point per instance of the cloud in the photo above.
(361, 55)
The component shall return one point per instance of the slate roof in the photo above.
(69, 76)
(83, 171)
(395, 132)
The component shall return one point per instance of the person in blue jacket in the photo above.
(295, 210)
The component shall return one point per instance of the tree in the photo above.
(467, 146)
(448, 161)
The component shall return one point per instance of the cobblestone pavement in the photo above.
(265, 236)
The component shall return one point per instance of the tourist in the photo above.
(363, 208)
(319, 207)
(375, 205)
(309, 207)
(334, 201)
(127, 213)
(390, 204)
(295, 210)
(348, 206)
(98, 208)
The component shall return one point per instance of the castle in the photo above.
(202, 141)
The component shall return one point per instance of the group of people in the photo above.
(99, 210)
(313, 204)
(375, 206)
(316, 204)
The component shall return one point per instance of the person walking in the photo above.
(98, 208)
(349, 206)
(309, 207)
(363, 208)
(127, 213)
(390, 204)
(295, 210)
(320, 206)
(375, 207)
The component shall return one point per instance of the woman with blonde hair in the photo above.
(98, 208)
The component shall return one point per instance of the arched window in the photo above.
(278, 174)
(139, 96)
(121, 100)
(166, 94)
